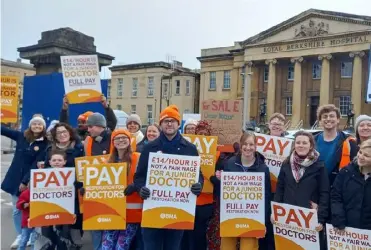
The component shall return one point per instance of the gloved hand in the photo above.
(130, 189)
(196, 189)
(144, 193)
(82, 191)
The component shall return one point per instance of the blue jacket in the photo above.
(182, 148)
(351, 199)
(71, 153)
(25, 158)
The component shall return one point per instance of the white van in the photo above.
(121, 117)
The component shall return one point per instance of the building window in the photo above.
(227, 79)
(165, 91)
(149, 114)
(346, 69)
(266, 73)
(188, 87)
(119, 107)
(212, 80)
(108, 92)
(150, 86)
(177, 87)
(243, 70)
(133, 109)
(316, 71)
(120, 87)
(344, 105)
(291, 72)
(134, 91)
(289, 106)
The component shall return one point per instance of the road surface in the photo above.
(7, 229)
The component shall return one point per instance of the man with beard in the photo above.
(82, 128)
(169, 142)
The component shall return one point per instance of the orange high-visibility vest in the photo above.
(345, 153)
(204, 198)
(88, 146)
(134, 203)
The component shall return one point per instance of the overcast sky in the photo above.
(147, 30)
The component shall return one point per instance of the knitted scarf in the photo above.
(298, 164)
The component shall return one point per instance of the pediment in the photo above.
(312, 24)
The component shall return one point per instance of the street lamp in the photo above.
(350, 120)
(246, 94)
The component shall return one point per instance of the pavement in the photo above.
(7, 229)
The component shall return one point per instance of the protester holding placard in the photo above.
(121, 152)
(30, 149)
(61, 236)
(351, 192)
(196, 239)
(82, 128)
(277, 125)
(249, 161)
(169, 142)
(97, 143)
(152, 133)
(303, 179)
(363, 128)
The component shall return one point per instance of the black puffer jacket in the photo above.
(351, 199)
(313, 186)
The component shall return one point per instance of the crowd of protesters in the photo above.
(329, 172)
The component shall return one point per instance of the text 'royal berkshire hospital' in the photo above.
(314, 58)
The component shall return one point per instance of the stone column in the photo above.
(271, 93)
(325, 79)
(234, 82)
(296, 92)
(357, 81)
(247, 87)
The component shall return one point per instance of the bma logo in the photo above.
(51, 216)
(103, 220)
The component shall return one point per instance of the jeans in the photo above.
(96, 237)
(161, 239)
(17, 216)
(25, 236)
(139, 245)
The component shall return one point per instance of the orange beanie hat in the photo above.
(84, 116)
(170, 112)
(117, 132)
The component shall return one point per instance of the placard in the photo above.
(171, 204)
(206, 147)
(349, 239)
(294, 227)
(52, 200)
(242, 205)
(275, 150)
(9, 99)
(81, 78)
(81, 162)
(104, 198)
(225, 119)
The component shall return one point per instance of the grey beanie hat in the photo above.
(134, 118)
(360, 119)
(97, 119)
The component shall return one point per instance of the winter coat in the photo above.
(71, 152)
(25, 158)
(351, 199)
(313, 186)
(140, 145)
(24, 198)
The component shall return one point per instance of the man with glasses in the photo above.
(277, 125)
(169, 142)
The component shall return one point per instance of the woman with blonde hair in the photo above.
(248, 161)
(121, 152)
(351, 192)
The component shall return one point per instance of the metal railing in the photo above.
(299, 125)
(288, 125)
(315, 125)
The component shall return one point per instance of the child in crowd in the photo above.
(23, 205)
(60, 237)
